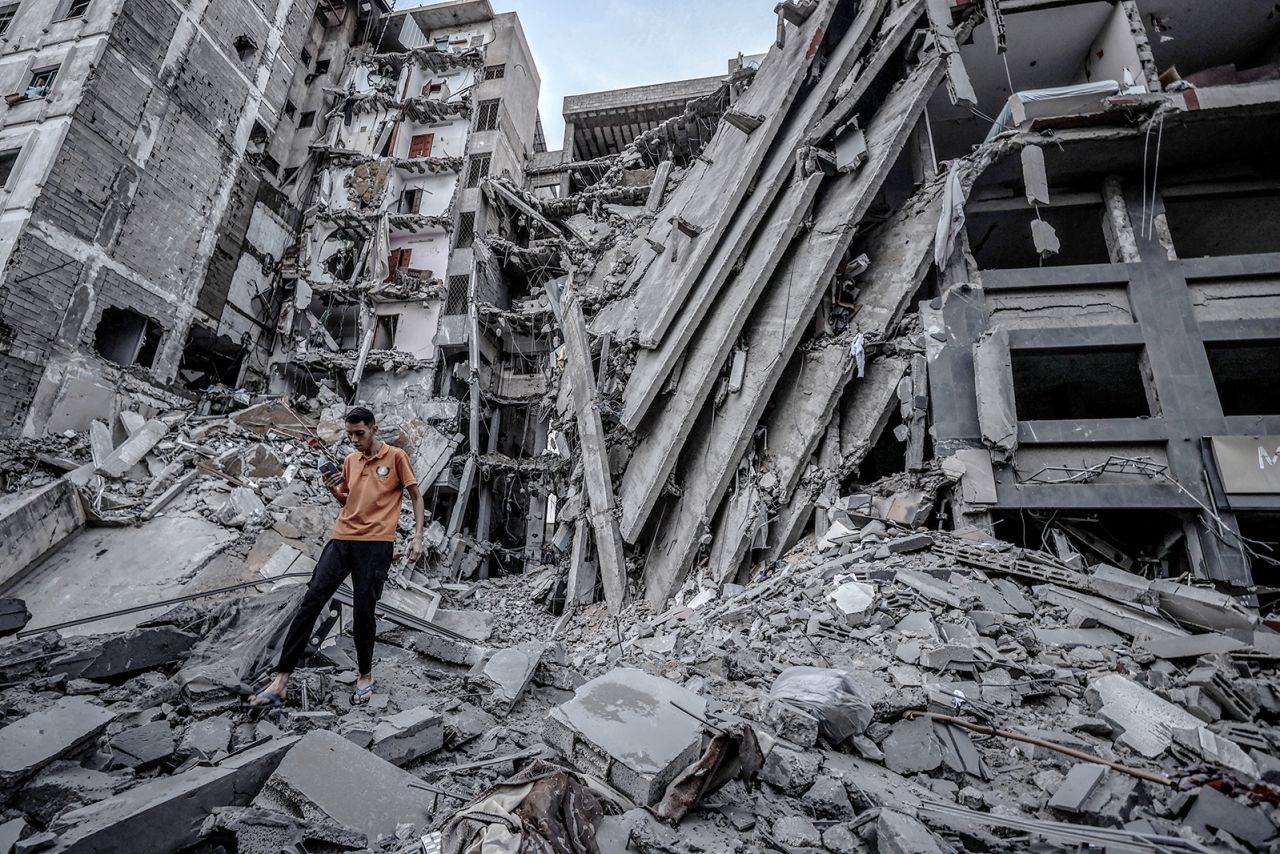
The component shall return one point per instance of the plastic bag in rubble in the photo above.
(829, 695)
(243, 645)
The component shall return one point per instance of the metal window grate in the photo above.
(466, 229)
(456, 301)
(495, 72)
(487, 115)
(477, 168)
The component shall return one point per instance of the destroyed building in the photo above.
(875, 448)
(145, 216)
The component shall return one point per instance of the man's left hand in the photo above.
(415, 550)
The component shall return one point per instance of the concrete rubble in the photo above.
(871, 448)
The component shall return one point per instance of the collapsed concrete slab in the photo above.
(633, 729)
(775, 327)
(166, 814)
(33, 523)
(403, 737)
(32, 742)
(502, 676)
(327, 777)
(131, 652)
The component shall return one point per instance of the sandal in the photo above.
(363, 695)
(273, 699)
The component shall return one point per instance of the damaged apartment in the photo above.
(873, 447)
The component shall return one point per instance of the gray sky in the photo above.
(590, 45)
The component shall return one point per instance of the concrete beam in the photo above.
(667, 428)
(595, 459)
(993, 381)
(714, 186)
(795, 425)
(777, 324)
(741, 240)
(33, 523)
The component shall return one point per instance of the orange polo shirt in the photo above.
(374, 488)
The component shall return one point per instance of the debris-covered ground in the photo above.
(886, 689)
(716, 447)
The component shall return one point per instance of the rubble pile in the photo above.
(892, 691)
(710, 561)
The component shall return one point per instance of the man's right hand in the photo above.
(333, 481)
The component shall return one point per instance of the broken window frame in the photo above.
(74, 9)
(487, 114)
(306, 119)
(142, 351)
(322, 66)
(477, 169)
(8, 165)
(457, 295)
(466, 230)
(50, 73)
(8, 13)
(290, 109)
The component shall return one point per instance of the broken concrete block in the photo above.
(263, 831)
(792, 723)
(325, 776)
(1219, 687)
(855, 600)
(1214, 811)
(166, 813)
(62, 784)
(792, 771)
(911, 543)
(207, 737)
(828, 799)
(445, 649)
(242, 507)
(912, 747)
(1079, 784)
(1144, 719)
(625, 727)
(502, 677)
(10, 833)
(796, 831)
(403, 737)
(474, 625)
(897, 833)
(1217, 750)
(128, 653)
(143, 746)
(34, 741)
(132, 450)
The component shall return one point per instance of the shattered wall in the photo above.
(150, 160)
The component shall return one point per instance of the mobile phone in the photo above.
(327, 468)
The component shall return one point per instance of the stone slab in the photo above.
(503, 676)
(327, 776)
(1146, 720)
(165, 814)
(1075, 790)
(32, 742)
(401, 738)
(626, 720)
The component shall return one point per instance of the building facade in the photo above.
(142, 221)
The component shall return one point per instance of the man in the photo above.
(369, 489)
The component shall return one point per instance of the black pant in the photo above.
(368, 564)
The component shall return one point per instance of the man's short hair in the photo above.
(360, 415)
